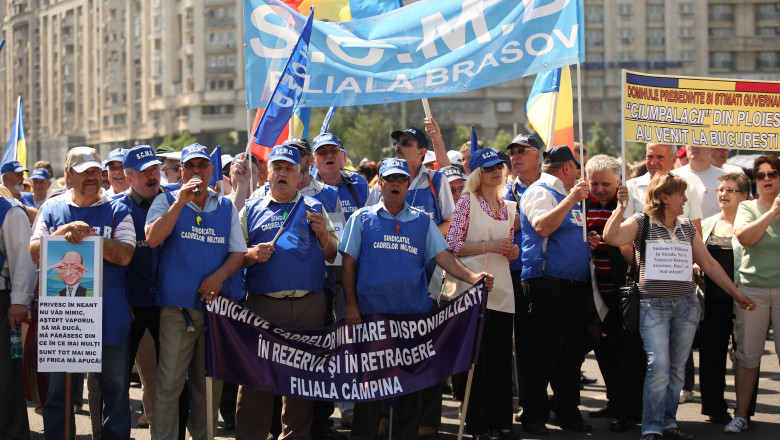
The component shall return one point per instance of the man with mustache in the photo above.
(141, 168)
(82, 211)
(13, 180)
(329, 158)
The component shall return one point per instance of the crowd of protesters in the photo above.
(520, 217)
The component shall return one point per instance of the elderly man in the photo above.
(555, 282)
(70, 270)
(457, 181)
(116, 172)
(660, 158)
(329, 159)
(171, 162)
(619, 355)
(371, 288)
(41, 182)
(429, 190)
(13, 179)
(703, 177)
(82, 211)
(281, 287)
(201, 248)
(18, 271)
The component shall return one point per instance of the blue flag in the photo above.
(216, 160)
(287, 92)
(293, 236)
(326, 121)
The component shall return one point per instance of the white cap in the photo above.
(430, 156)
(455, 157)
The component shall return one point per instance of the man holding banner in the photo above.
(82, 211)
(201, 247)
(289, 236)
(385, 248)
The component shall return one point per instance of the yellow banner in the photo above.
(707, 112)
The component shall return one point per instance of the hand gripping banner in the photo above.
(383, 357)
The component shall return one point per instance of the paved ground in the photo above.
(765, 425)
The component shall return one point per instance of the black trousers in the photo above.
(406, 417)
(13, 407)
(517, 284)
(622, 361)
(490, 401)
(554, 323)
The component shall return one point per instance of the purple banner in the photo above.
(383, 357)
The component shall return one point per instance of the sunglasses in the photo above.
(498, 166)
(396, 178)
(302, 151)
(520, 151)
(404, 142)
(771, 175)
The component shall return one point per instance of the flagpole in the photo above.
(623, 132)
(582, 141)
(248, 150)
(551, 128)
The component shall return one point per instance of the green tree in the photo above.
(462, 135)
(502, 139)
(635, 151)
(599, 142)
(363, 133)
(179, 142)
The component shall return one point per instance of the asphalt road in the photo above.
(764, 425)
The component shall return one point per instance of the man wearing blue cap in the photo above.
(142, 171)
(429, 190)
(82, 211)
(329, 157)
(555, 282)
(201, 247)
(116, 172)
(41, 182)
(13, 179)
(281, 287)
(370, 287)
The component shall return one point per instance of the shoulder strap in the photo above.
(348, 181)
(435, 196)
(634, 273)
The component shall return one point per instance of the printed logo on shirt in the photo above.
(107, 231)
(576, 217)
(396, 242)
(203, 235)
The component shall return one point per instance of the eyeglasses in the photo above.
(521, 151)
(302, 151)
(174, 168)
(728, 191)
(396, 178)
(492, 168)
(323, 152)
(771, 175)
(404, 142)
(198, 165)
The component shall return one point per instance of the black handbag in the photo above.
(628, 294)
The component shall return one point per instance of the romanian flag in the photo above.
(17, 148)
(550, 109)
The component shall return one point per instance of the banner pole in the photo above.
(67, 406)
(582, 141)
(465, 403)
(623, 131)
(209, 408)
(426, 108)
(551, 128)
(390, 424)
(248, 150)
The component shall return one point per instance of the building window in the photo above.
(770, 31)
(686, 8)
(655, 12)
(626, 56)
(625, 9)
(655, 36)
(721, 32)
(768, 60)
(594, 57)
(626, 35)
(656, 57)
(594, 81)
(686, 32)
(594, 14)
(687, 55)
(768, 11)
(722, 60)
(721, 13)
(594, 37)
(504, 106)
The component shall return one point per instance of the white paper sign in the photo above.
(70, 334)
(338, 224)
(668, 261)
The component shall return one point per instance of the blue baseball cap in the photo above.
(140, 158)
(116, 155)
(13, 166)
(326, 139)
(40, 173)
(486, 157)
(194, 150)
(414, 133)
(561, 153)
(286, 153)
(393, 166)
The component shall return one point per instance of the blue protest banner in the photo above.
(425, 49)
(383, 357)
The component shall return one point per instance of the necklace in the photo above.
(198, 218)
(285, 213)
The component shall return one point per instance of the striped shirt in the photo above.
(684, 232)
(597, 219)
